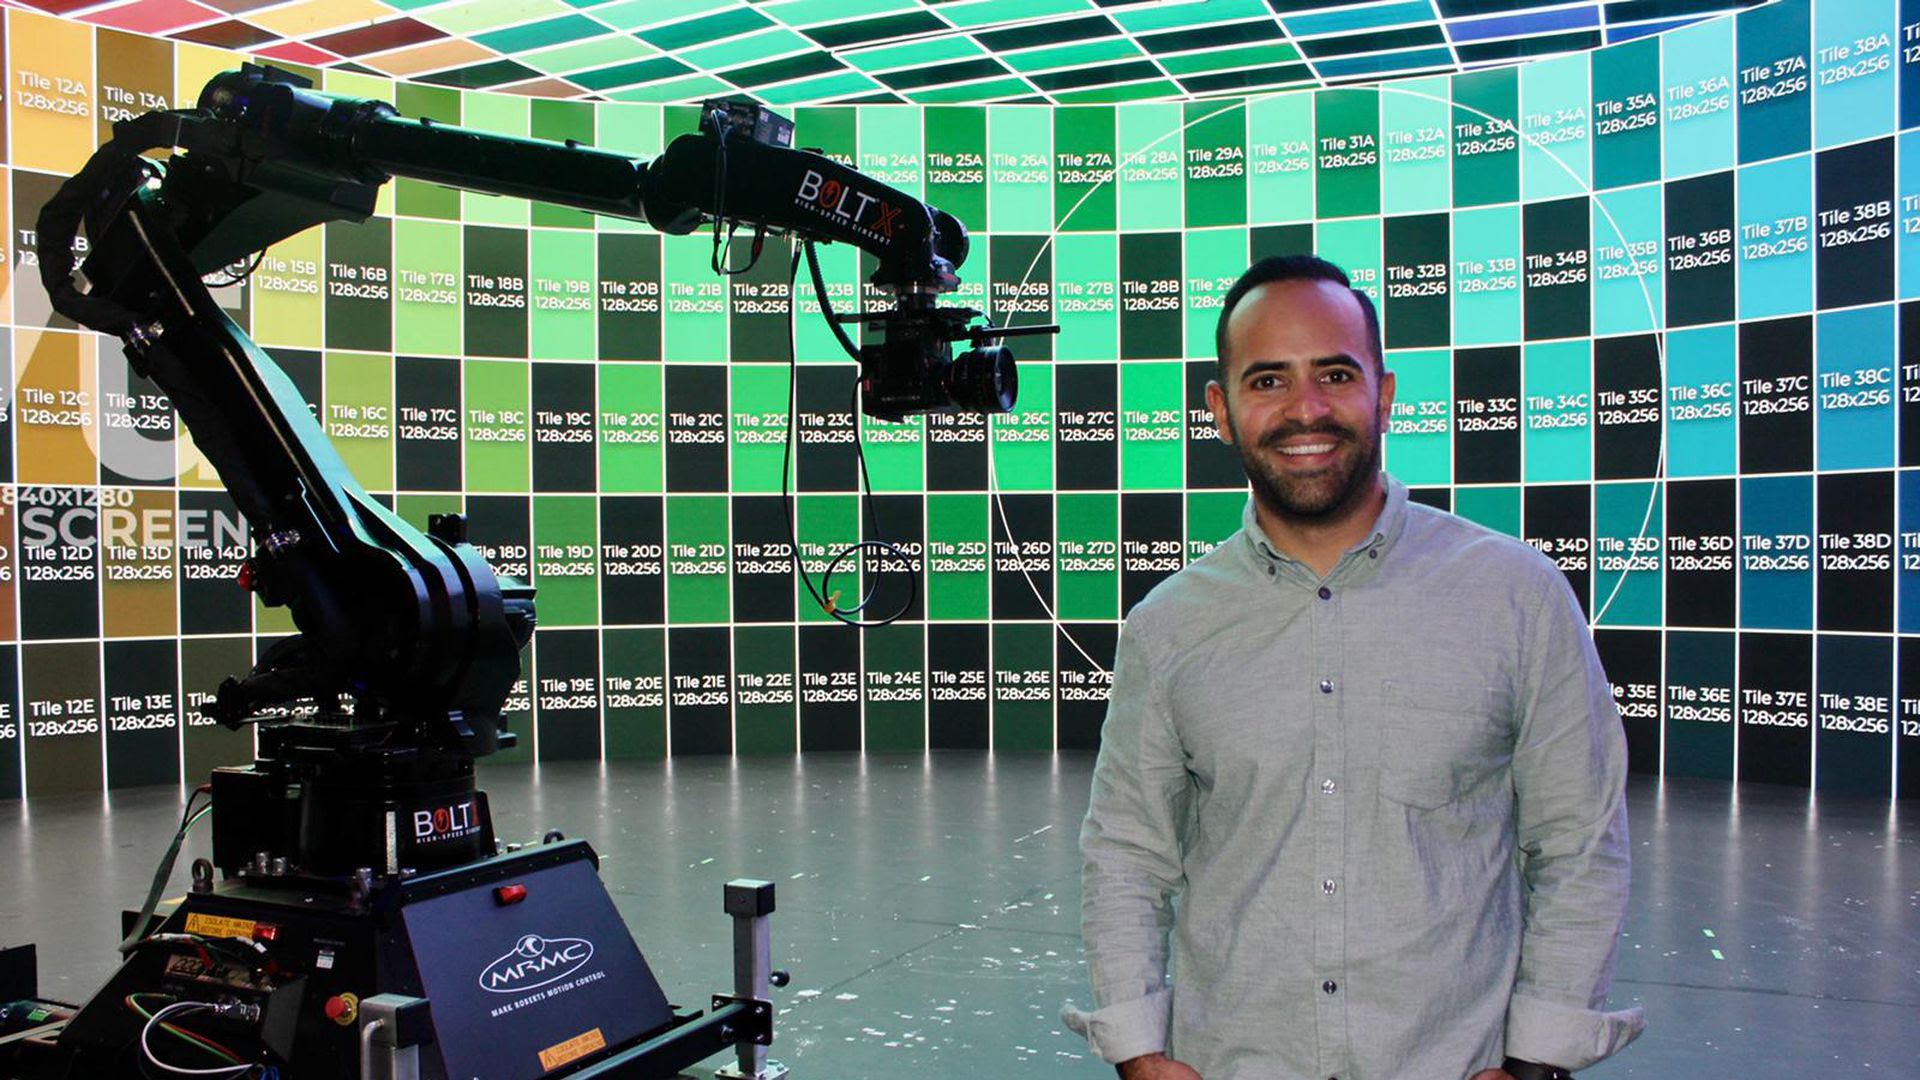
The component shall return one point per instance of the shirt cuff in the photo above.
(1124, 1030)
(1550, 1033)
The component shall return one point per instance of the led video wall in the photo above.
(1652, 309)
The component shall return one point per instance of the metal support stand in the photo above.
(751, 903)
(392, 1028)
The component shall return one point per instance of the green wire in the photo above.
(179, 1032)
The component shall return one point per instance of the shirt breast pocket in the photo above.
(1443, 741)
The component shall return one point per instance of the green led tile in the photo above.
(914, 54)
(985, 12)
(477, 15)
(1105, 75)
(784, 70)
(809, 12)
(1224, 59)
(482, 76)
(580, 56)
(698, 31)
(638, 71)
(1046, 32)
(540, 35)
(980, 91)
(692, 88)
(884, 28)
(825, 88)
(745, 50)
(634, 13)
(1109, 95)
(1085, 52)
(1150, 17)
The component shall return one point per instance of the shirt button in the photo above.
(1373, 554)
(1328, 886)
(1270, 571)
(1329, 986)
(1326, 593)
(1326, 686)
(1328, 787)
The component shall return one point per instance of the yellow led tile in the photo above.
(314, 16)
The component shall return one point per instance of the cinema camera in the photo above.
(358, 918)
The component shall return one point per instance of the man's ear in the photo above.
(1387, 386)
(1217, 403)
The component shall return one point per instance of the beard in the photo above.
(1320, 494)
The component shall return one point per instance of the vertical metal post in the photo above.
(392, 1028)
(750, 903)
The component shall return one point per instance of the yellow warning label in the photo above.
(573, 1049)
(220, 926)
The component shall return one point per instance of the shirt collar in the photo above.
(1372, 548)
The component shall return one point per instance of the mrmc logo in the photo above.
(535, 961)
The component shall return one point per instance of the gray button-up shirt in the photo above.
(1380, 811)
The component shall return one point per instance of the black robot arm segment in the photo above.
(271, 133)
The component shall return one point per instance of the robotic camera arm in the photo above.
(408, 644)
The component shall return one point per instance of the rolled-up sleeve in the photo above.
(1569, 776)
(1131, 842)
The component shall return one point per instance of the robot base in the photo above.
(512, 968)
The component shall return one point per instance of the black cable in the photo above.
(243, 275)
(719, 190)
(723, 250)
(843, 614)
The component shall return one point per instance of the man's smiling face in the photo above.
(1304, 399)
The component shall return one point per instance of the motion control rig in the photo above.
(357, 918)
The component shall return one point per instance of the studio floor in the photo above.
(928, 907)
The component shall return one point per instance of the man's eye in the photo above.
(1339, 375)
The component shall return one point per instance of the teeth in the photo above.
(1314, 448)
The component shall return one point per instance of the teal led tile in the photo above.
(693, 88)
(825, 88)
(1413, 60)
(629, 14)
(1147, 18)
(992, 90)
(1110, 95)
(540, 35)
(986, 12)
(1346, 20)
(1085, 52)
(584, 55)
(913, 54)
(658, 67)
(1226, 59)
(810, 12)
(745, 50)
(704, 28)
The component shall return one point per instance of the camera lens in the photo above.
(984, 380)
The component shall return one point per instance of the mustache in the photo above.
(1272, 439)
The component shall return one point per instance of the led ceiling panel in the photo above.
(789, 52)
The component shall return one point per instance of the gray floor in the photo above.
(928, 907)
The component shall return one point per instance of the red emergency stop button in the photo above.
(510, 894)
(343, 1009)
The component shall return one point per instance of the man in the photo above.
(1370, 749)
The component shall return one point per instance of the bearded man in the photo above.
(1361, 778)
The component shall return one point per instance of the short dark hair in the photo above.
(1291, 268)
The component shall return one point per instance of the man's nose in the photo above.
(1307, 403)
